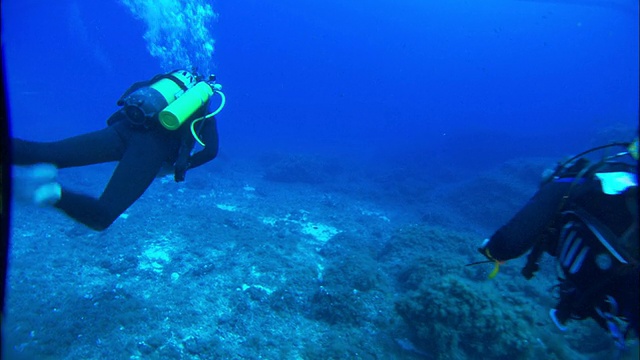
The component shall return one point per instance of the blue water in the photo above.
(417, 93)
(470, 78)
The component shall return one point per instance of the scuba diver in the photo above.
(585, 214)
(158, 124)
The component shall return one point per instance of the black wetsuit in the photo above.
(593, 235)
(141, 153)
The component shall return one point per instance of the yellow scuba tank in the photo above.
(170, 89)
(171, 100)
(174, 115)
(143, 104)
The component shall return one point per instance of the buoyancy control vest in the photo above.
(597, 241)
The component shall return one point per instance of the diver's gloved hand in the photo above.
(36, 184)
(181, 171)
(483, 249)
(530, 269)
(47, 194)
(496, 248)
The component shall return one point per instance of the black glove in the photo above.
(183, 162)
(180, 171)
(529, 270)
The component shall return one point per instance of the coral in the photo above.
(452, 319)
(424, 244)
(453, 312)
(236, 266)
(349, 279)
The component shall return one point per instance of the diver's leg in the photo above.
(37, 183)
(93, 148)
(133, 175)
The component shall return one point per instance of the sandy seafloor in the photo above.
(287, 257)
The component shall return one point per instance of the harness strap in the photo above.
(604, 235)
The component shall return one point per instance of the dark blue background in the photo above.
(475, 82)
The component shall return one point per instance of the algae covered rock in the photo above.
(443, 250)
(452, 318)
(351, 284)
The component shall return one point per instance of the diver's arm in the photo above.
(209, 136)
(519, 235)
